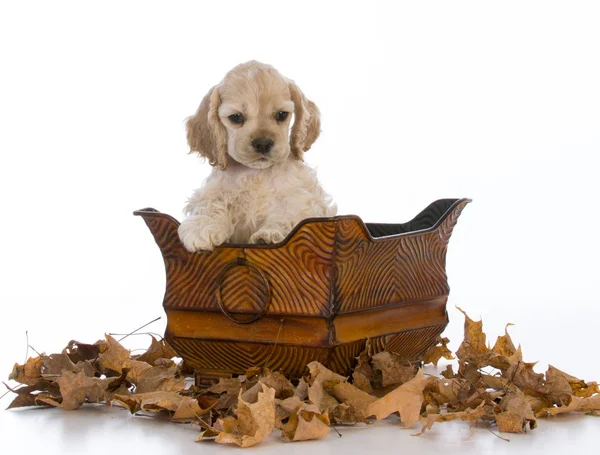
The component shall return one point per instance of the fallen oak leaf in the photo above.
(255, 421)
(406, 400)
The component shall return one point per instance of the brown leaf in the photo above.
(275, 380)
(356, 402)
(255, 421)
(156, 379)
(113, 357)
(559, 385)
(302, 390)
(26, 397)
(76, 389)
(150, 401)
(54, 365)
(522, 375)
(473, 349)
(481, 412)
(284, 408)
(437, 351)
(406, 399)
(229, 385)
(363, 372)
(189, 409)
(305, 423)
(157, 350)
(577, 404)
(515, 413)
(30, 373)
(504, 345)
(389, 370)
(79, 352)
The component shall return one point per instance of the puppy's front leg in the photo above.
(208, 225)
(272, 231)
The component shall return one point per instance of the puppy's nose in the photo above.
(262, 145)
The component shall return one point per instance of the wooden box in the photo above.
(319, 295)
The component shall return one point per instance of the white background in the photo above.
(498, 101)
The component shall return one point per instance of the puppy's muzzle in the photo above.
(262, 145)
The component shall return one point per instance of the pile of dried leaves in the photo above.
(247, 409)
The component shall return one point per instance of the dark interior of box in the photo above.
(424, 220)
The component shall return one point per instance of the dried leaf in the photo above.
(30, 373)
(406, 400)
(363, 372)
(157, 350)
(284, 408)
(113, 357)
(577, 404)
(437, 351)
(255, 421)
(151, 401)
(390, 370)
(76, 389)
(356, 402)
(305, 423)
(475, 415)
(189, 409)
(515, 413)
(54, 365)
(323, 380)
(79, 352)
(228, 385)
(473, 349)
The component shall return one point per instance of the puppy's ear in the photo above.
(206, 135)
(307, 122)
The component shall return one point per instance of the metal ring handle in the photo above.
(226, 312)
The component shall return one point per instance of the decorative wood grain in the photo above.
(328, 287)
(237, 357)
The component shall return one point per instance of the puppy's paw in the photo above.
(197, 238)
(267, 235)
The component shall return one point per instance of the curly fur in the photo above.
(253, 196)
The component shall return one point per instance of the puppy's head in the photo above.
(247, 118)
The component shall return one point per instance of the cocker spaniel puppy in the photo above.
(259, 188)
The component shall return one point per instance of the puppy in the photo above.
(259, 188)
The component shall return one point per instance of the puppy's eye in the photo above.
(238, 119)
(281, 116)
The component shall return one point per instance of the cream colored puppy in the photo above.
(259, 188)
